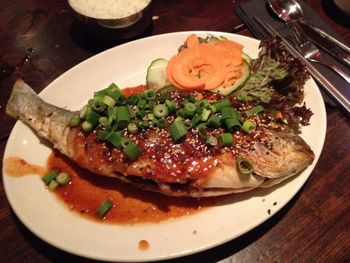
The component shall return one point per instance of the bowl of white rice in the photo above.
(119, 19)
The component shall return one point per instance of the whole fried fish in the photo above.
(190, 168)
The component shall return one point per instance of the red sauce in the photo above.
(16, 167)
(143, 245)
(130, 205)
(134, 90)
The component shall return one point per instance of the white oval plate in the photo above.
(49, 219)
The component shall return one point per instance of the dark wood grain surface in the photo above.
(39, 41)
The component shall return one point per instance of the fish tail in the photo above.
(51, 122)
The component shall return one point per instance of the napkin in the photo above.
(259, 8)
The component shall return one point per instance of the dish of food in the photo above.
(234, 216)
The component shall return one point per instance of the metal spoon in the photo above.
(290, 12)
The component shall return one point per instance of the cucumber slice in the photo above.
(156, 74)
(245, 75)
(247, 58)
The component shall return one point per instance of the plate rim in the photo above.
(179, 254)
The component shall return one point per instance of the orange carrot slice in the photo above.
(192, 40)
(198, 67)
(206, 65)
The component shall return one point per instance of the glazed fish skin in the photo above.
(48, 121)
(285, 155)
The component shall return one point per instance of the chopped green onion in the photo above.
(121, 100)
(132, 128)
(196, 120)
(229, 112)
(141, 113)
(178, 118)
(160, 110)
(203, 103)
(141, 104)
(178, 131)
(84, 112)
(150, 117)
(133, 110)
(87, 126)
(63, 178)
(171, 105)
(125, 142)
(92, 118)
(243, 96)
(144, 123)
(107, 91)
(205, 114)
(181, 113)
(74, 120)
(189, 109)
(103, 120)
(109, 101)
(162, 123)
(188, 124)
(52, 185)
(211, 140)
(115, 139)
(232, 124)
(98, 104)
(103, 135)
(257, 109)
(149, 94)
(104, 207)
(123, 116)
(116, 95)
(191, 99)
(244, 166)
(214, 121)
(226, 139)
(132, 100)
(49, 177)
(222, 103)
(248, 126)
(132, 150)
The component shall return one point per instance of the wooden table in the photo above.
(39, 43)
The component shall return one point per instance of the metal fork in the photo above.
(311, 52)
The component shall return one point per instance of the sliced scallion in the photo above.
(149, 94)
(87, 126)
(189, 109)
(52, 185)
(226, 139)
(63, 178)
(132, 128)
(257, 109)
(211, 140)
(214, 121)
(248, 126)
(115, 139)
(244, 165)
(49, 177)
(178, 131)
(222, 103)
(92, 118)
(171, 105)
(132, 150)
(74, 120)
(98, 105)
(109, 101)
(104, 207)
(123, 116)
(232, 124)
(160, 110)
